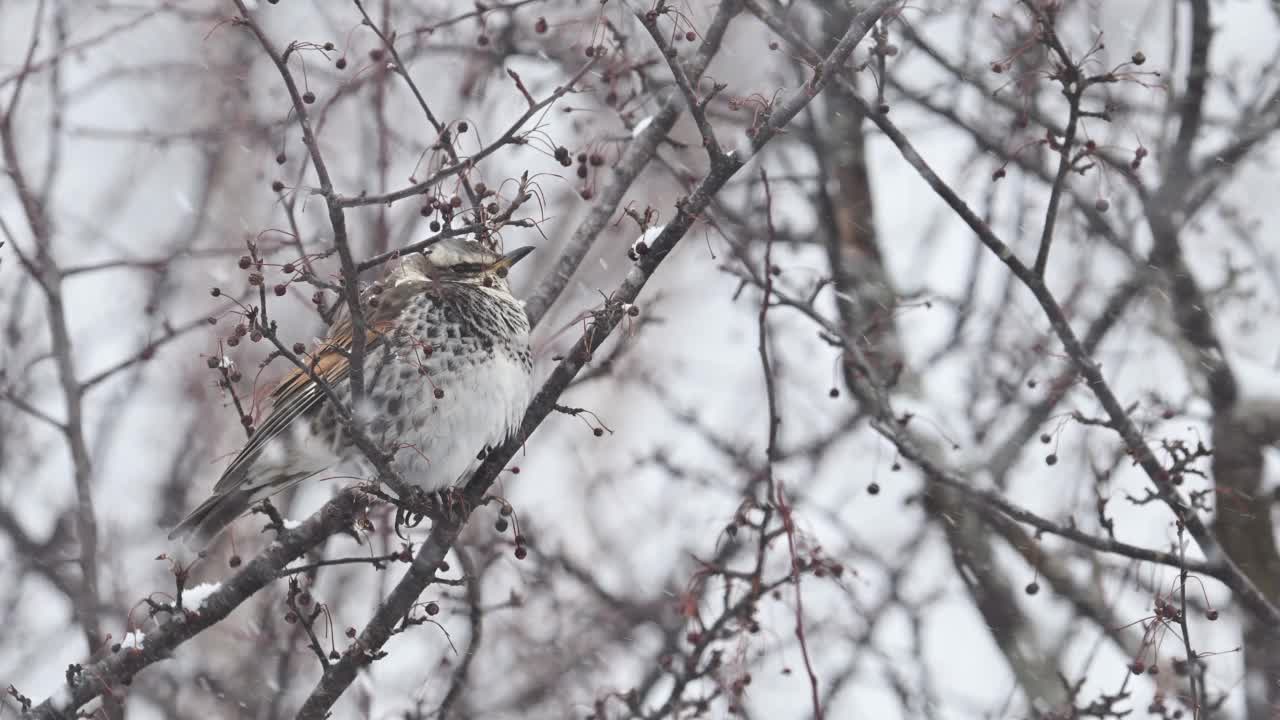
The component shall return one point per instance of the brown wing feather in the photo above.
(298, 395)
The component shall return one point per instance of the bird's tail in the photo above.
(204, 523)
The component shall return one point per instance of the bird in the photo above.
(447, 374)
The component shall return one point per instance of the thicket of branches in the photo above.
(892, 361)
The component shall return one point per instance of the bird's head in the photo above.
(460, 260)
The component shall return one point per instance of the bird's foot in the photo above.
(448, 504)
(451, 503)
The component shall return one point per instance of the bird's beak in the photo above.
(513, 257)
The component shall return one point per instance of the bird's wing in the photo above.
(298, 394)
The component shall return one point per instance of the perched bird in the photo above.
(447, 373)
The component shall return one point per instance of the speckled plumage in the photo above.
(479, 361)
(447, 373)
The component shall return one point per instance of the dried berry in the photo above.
(540, 25)
(308, 97)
